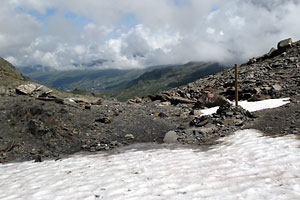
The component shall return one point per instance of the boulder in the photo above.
(211, 100)
(129, 136)
(284, 44)
(33, 89)
(26, 89)
(277, 87)
(171, 137)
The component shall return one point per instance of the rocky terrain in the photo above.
(40, 123)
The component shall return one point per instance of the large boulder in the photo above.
(209, 100)
(171, 137)
(33, 89)
(284, 44)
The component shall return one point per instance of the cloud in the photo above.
(135, 33)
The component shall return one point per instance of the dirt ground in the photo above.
(279, 121)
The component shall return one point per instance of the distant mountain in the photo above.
(165, 78)
(123, 84)
(86, 78)
(35, 68)
(94, 63)
(96, 81)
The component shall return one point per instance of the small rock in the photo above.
(129, 137)
(159, 114)
(92, 149)
(238, 122)
(209, 130)
(88, 107)
(171, 137)
(138, 100)
(277, 87)
(196, 112)
(38, 158)
(104, 120)
(114, 143)
(229, 114)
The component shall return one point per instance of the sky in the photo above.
(141, 33)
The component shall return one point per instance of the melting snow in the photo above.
(245, 165)
(253, 106)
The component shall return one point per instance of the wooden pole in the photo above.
(236, 85)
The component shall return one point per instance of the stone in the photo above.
(257, 90)
(26, 89)
(200, 121)
(171, 137)
(284, 44)
(209, 130)
(129, 136)
(138, 100)
(196, 112)
(97, 102)
(88, 107)
(229, 114)
(238, 122)
(4, 91)
(114, 143)
(33, 90)
(277, 87)
(52, 98)
(211, 100)
(38, 158)
(104, 120)
(271, 52)
(161, 97)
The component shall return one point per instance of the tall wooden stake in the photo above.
(236, 85)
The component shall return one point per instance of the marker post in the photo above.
(236, 85)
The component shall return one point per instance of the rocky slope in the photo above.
(38, 124)
(164, 78)
(261, 78)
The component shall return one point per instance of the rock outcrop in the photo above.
(261, 78)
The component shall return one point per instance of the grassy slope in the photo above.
(125, 84)
(165, 78)
(91, 80)
(9, 75)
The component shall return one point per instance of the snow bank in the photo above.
(253, 106)
(245, 166)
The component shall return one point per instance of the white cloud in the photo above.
(160, 31)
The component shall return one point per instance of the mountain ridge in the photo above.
(114, 82)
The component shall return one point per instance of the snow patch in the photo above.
(244, 166)
(253, 106)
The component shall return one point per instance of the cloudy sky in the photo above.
(140, 33)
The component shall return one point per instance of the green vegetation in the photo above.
(165, 78)
(125, 84)
(96, 81)
(9, 75)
